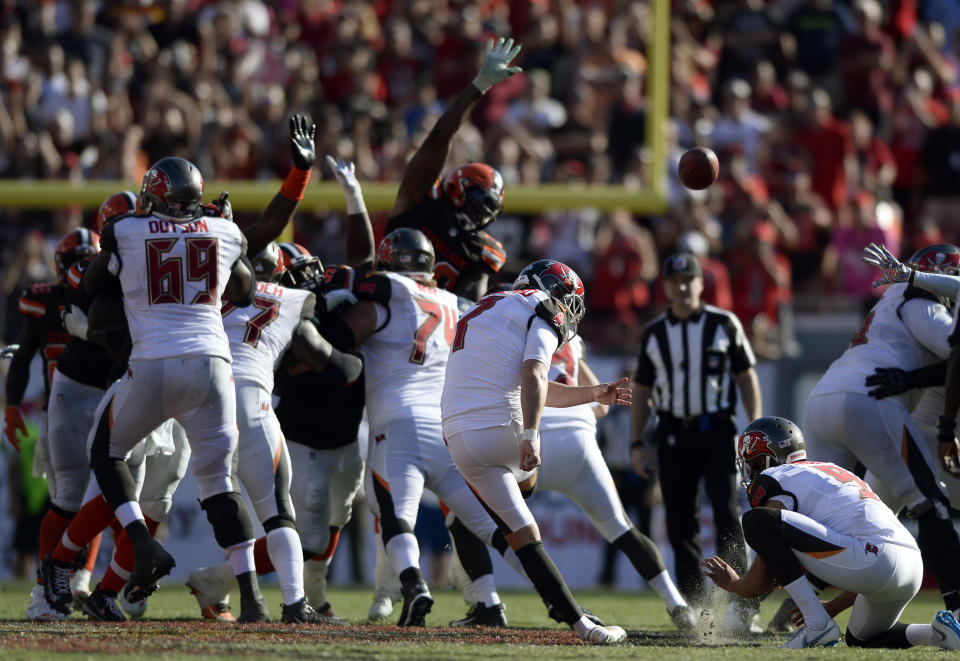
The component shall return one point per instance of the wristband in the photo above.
(946, 425)
(295, 184)
(354, 198)
(530, 435)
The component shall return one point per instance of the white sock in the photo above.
(315, 580)
(814, 616)
(920, 634)
(485, 590)
(286, 554)
(385, 580)
(240, 557)
(403, 551)
(664, 586)
(510, 556)
(583, 627)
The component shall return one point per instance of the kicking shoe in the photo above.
(741, 619)
(947, 630)
(39, 609)
(102, 606)
(554, 614)
(151, 563)
(781, 622)
(134, 609)
(303, 613)
(684, 618)
(417, 602)
(80, 587)
(382, 606)
(806, 637)
(605, 635)
(214, 602)
(253, 610)
(481, 615)
(326, 612)
(56, 584)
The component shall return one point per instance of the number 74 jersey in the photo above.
(405, 358)
(173, 276)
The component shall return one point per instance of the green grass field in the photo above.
(170, 632)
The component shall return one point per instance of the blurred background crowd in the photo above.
(836, 122)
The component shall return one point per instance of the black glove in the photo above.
(302, 132)
(222, 203)
(888, 381)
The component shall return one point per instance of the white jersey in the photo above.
(260, 333)
(833, 497)
(406, 356)
(896, 333)
(173, 276)
(565, 368)
(493, 339)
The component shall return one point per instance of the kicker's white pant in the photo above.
(844, 428)
(263, 463)
(197, 391)
(408, 454)
(325, 483)
(489, 460)
(70, 416)
(572, 464)
(885, 576)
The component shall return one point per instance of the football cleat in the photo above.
(151, 563)
(56, 584)
(684, 618)
(806, 637)
(326, 612)
(253, 610)
(417, 602)
(605, 635)
(39, 610)
(303, 613)
(947, 630)
(555, 615)
(134, 609)
(102, 606)
(213, 606)
(740, 619)
(781, 621)
(481, 615)
(382, 606)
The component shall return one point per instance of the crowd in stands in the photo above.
(837, 123)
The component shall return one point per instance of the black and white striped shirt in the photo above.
(690, 364)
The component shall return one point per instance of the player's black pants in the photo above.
(688, 453)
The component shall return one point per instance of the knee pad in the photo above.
(229, 518)
(279, 521)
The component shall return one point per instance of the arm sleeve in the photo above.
(937, 283)
(764, 487)
(929, 323)
(542, 342)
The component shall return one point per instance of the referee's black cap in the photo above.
(682, 263)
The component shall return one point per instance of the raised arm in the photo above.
(425, 166)
(361, 252)
(284, 204)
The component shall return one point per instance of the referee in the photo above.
(693, 359)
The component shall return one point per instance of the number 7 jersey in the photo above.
(405, 358)
(173, 276)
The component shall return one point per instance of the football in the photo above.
(698, 168)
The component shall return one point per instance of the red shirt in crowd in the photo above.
(828, 145)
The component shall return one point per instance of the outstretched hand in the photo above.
(891, 268)
(717, 570)
(344, 171)
(302, 132)
(494, 68)
(615, 393)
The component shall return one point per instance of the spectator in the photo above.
(827, 141)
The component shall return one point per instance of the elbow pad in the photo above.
(344, 364)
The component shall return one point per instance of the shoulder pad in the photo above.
(338, 277)
(493, 253)
(762, 489)
(550, 311)
(374, 287)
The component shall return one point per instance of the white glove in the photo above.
(892, 269)
(8, 351)
(338, 297)
(494, 68)
(344, 171)
(75, 321)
